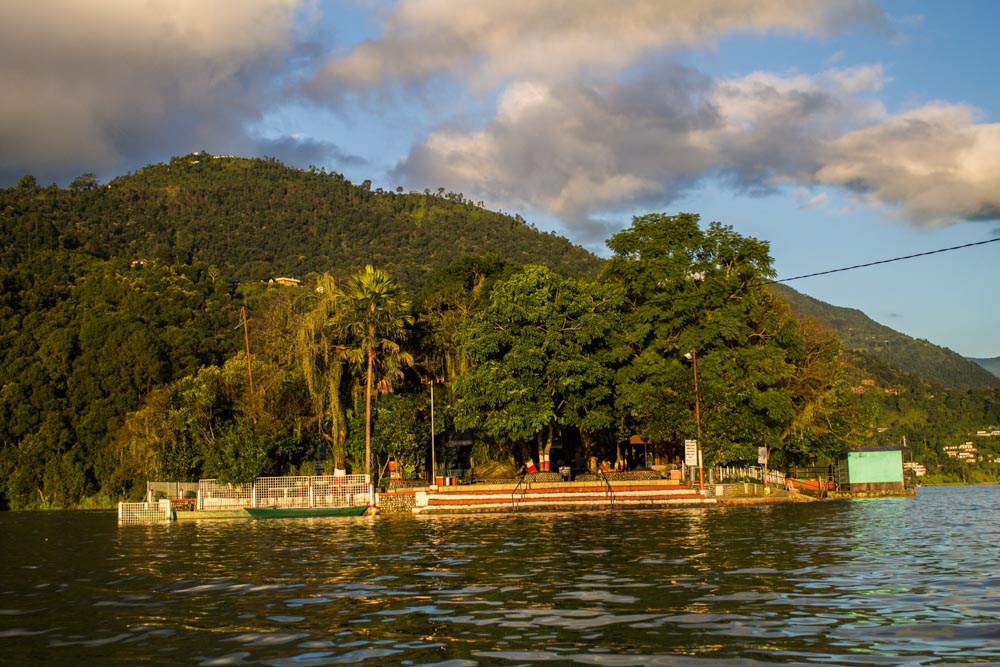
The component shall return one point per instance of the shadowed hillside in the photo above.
(858, 332)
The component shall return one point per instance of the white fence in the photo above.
(302, 492)
(287, 492)
(775, 477)
(129, 513)
(212, 495)
(174, 490)
(215, 495)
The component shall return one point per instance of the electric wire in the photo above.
(881, 261)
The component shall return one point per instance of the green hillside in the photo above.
(253, 219)
(112, 294)
(858, 332)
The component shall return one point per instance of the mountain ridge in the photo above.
(990, 364)
(858, 332)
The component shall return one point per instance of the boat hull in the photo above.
(303, 512)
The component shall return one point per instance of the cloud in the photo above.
(487, 43)
(934, 165)
(303, 152)
(806, 199)
(585, 151)
(94, 86)
(576, 150)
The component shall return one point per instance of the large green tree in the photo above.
(540, 360)
(702, 290)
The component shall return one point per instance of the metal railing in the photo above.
(289, 492)
(609, 492)
(770, 477)
(514, 500)
(308, 492)
(174, 490)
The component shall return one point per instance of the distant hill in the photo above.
(992, 365)
(255, 219)
(859, 333)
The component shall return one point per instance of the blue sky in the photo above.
(840, 131)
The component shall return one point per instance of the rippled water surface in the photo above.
(900, 581)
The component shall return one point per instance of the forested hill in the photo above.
(254, 219)
(858, 332)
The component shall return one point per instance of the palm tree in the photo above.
(319, 351)
(374, 319)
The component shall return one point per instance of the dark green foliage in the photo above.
(257, 219)
(697, 293)
(108, 293)
(541, 359)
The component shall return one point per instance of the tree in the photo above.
(374, 320)
(84, 182)
(689, 288)
(823, 416)
(540, 360)
(319, 352)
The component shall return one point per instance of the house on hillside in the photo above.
(287, 282)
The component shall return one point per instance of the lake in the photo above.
(889, 581)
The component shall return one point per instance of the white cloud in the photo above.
(934, 165)
(584, 150)
(90, 85)
(489, 42)
(806, 199)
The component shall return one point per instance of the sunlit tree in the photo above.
(374, 320)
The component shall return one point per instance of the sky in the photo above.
(842, 132)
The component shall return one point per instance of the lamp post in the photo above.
(432, 381)
(693, 356)
(433, 454)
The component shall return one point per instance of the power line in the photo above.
(881, 261)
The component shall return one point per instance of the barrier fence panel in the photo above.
(173, 490)
(129, 513)
(775, 477)
(214, 495)
(316, 491)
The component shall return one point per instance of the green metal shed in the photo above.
(874, 469)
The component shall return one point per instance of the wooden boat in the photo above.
(303, 512)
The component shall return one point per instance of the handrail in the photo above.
(609, 493)
(527, 485)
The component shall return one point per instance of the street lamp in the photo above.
(433, 448)
(432, 382)
(693, 356)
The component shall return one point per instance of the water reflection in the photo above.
(890, 581)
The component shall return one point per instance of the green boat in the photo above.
(303, 512)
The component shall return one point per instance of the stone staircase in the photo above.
(541, 496)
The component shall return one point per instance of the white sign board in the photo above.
(691, 452)
(762, 455)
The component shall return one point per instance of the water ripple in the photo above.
(846, 583)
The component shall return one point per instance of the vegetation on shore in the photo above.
(123, 355)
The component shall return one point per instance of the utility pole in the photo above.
(246, 339)
(693, 356)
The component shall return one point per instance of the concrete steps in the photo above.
(539, 496)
